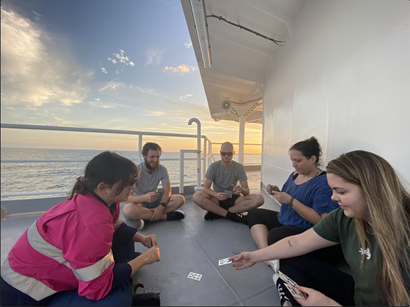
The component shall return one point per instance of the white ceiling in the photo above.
(239, 58)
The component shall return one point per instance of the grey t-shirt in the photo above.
(223, 178)
(149, 182)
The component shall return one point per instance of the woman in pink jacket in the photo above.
(80, 252)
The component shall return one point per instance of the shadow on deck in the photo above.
(196, 245)
(189, 245)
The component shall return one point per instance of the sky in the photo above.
(124, 64)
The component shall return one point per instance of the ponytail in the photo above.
(107, 167)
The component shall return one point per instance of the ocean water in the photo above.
(30, 177)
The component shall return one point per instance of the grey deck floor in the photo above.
(189, 245)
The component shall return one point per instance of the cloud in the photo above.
(147, 90)
(185, 97)
(112, 85)
(182, 69)
(121, 58)
(36, 68)
(103, 105)
(188, 45)
(154, 56)
(103, 70)
(155, 113)
(131, 93)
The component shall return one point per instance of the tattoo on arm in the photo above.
(290, 244)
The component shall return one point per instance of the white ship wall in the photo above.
(345, 78)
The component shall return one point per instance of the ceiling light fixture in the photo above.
(198, 11)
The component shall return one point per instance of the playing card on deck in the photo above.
(224, 261)
(294, 291)
(195, 276)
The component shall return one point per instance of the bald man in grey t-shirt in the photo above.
(227, 199)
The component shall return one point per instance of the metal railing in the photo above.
(207, 156)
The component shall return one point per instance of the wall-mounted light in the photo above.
(198, 10)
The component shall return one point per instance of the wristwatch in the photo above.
(163, 204)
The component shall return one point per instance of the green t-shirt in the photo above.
(337, 227)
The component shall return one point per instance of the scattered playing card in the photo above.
(224, 261)
(229, 193)
(195, 276)
(286, 279)
(294, 291)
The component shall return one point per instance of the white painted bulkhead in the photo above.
(343, 77)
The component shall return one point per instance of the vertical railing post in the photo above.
(181, 172)
(241, 153)
(139, 147)
(211, 158)
(204, 161)
(198, 155)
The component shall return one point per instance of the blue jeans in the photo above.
(121, 297)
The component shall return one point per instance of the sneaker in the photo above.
(274, 264)
(211, 216)
(139, 224)
(280, 285)
(237, 217)
(146, 299)
(175, 215)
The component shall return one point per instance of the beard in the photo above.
(148, 166)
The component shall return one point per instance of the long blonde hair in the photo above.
(389, 207)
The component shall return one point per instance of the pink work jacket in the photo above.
(68, 247)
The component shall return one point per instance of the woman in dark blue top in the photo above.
(305, 199)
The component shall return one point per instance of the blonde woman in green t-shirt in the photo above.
(372, 226)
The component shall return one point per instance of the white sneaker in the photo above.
(280, 285)
(274, 264)
(139, 224)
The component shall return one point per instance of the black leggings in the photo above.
(331, 255)
(312, 273)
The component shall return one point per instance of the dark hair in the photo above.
(152, 146)
(309, 147)
(107, 167)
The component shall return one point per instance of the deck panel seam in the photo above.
(209, 260)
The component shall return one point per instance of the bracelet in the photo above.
(163, 204)
(290, 203)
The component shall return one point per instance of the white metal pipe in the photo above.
(241, 154)
(204, 161)
(181, 172)
(201, 25)
(65, 161)
(38, 161)
(139, 147)
(34, 193)
(95, 130)
(198, 147)
(181, 168)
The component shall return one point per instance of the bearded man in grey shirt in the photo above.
(146, 203)
(227, 199)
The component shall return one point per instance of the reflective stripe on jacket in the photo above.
(68, 247)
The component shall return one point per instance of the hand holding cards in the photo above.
(291, 286)
(224, 261)
(229, 193)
